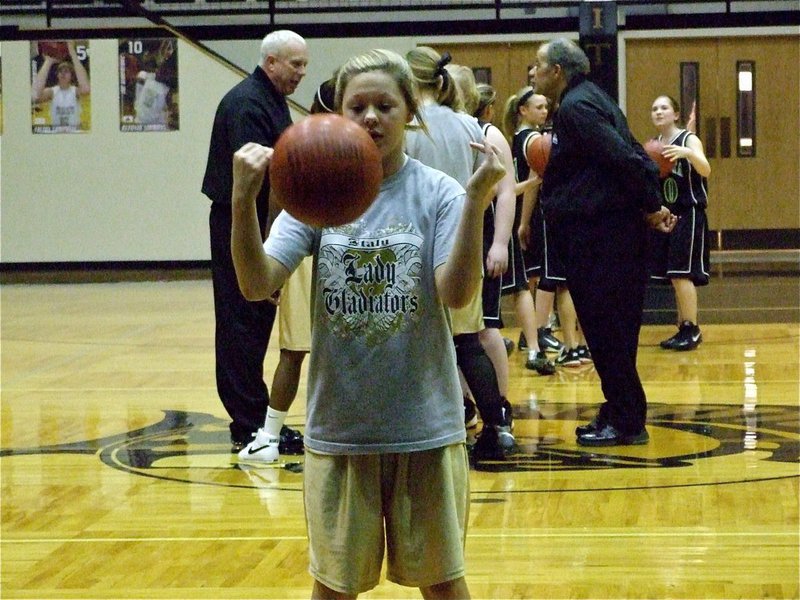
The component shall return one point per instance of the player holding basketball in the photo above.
(386, 465)
(254, 110)
(682, 256)
(65, 107)
(524, 119)
(523, 301)
(598, 192)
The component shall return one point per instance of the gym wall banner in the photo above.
(148, 84)
(1, 95)
(60, 87)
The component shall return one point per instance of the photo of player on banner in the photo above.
(60, 89)
(148, 84)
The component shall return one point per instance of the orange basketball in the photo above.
(538, 153)
(57, 50)
(654, 149)
(325, 171)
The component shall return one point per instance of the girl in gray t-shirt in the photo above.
(383, 394)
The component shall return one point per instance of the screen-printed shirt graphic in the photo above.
(369, 286)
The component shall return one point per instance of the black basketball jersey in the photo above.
(684, 187)
(518, 145)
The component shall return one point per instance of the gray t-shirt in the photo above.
(382, 372)
(446, 147)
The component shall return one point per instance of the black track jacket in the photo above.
(596, 165)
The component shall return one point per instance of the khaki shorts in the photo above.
(468, 319)
(294, 310)
(415, 505)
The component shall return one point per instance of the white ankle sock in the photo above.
(273, 423)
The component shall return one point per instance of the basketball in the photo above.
(325, 170)
(538, 153)
(57, 50)
(654, 148)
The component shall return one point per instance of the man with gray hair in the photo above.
(600, 191)
(254, 110)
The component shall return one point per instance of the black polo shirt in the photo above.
(252, 111)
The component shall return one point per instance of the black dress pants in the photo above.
(605, 263)
(242, 333)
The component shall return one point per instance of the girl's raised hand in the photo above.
(249, 169)
(488, 174)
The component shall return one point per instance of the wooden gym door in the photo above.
(745, 192)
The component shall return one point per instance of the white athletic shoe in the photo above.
(261, 449)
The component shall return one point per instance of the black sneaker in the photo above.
(568, 357)
(584, 354)
(508, 415)
(291, 441)
(669, 343)
(487, 446)
(237, 446)
(592, 425)
(470, 413)
(522, 344)
(608, 435)
(547, 341)
(541, 364)
(689, 337)
(509, 345)
(238, 443)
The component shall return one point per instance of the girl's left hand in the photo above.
(490, 172)
(673, 152)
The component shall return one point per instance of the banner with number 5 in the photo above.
(60, 88)
(148, 84)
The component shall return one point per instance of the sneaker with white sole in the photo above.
(568, 357)
(262, 449)
(688, 338)
(584, 354)
(538, 361)
(548, 342)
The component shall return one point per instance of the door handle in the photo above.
(725, 137)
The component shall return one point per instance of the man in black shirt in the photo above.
(254, 110)
(600, 190)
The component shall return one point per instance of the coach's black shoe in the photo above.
(610, 436)
(508, 414)
(238, 442)
(291, 441)
(592, 425)
(688, 338)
